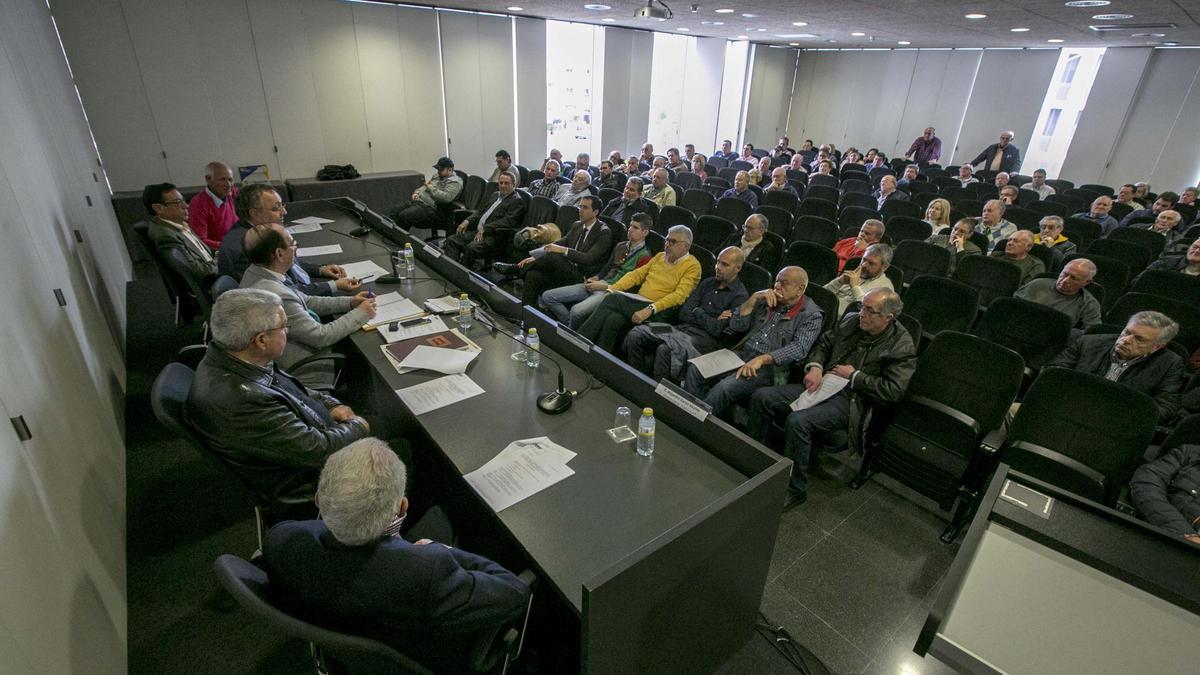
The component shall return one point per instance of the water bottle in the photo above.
(533, 345)
(518, 353)
(645, 436)
(464, 312)
(410, 262)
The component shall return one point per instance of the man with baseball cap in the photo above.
(442, 188)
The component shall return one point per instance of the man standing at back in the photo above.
(211, 211)
(1001, 156)
(927, 149)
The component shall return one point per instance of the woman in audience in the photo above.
(698, 163)
(937, 214)
(958, 241)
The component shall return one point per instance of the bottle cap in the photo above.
(408, 245)
(647, 411)
(533, 331)
(462, 296)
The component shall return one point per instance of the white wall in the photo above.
(626, 106)
(1007, 96)
(531, 92)
(478, 75)
(62, 493)
(770, 96)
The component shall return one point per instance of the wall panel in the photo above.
(628, 60)
(770, 95)
(477, 70)
(531, 93)
(1007, 95)
(337, 81)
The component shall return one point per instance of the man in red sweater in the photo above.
(210, 213)
(871, 232)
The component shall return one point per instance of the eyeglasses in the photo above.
(174, 202)
(283, 328)
(676, 241)
(870, 311)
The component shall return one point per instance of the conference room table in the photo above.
(662, 559)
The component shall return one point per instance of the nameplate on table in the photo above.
(1027, 498)
(480, 281)
(682, 400)
(574, 339)
(432, 251)
(359, 206)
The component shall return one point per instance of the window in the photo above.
(574, 83)
(1051, 121)
(1066, 95)
(1072, 65)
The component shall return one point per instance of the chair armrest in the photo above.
(191, 354)
(946, 410)
(992, 442)
(335, 357)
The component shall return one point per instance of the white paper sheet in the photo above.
(304, 227)
(715, 363)
(312, 220)
(519, 471)
(435, 325)
(448, 361)
(447, 304)
(635, 296)
(830, 385)
(311, 251)
(434, 394)
(363, 269)
(391, 307)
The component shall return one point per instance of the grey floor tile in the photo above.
(863, 602)
(834, 650)
(831, 501)
(797, 534)
(897, 655)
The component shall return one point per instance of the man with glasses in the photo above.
(662, 284)
(169, 231)
(265, 424)
(259, 204)
(756, 248)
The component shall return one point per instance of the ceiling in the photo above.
(922, 23)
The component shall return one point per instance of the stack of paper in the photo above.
(830, 384)
(715, 363)
(432, 324)
(522, 469)
(363, 270)
(434, 394)
(445, 340)
(312, 220)
(444, 305)
(313, 251)
(391, 307)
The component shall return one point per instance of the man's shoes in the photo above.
(508, 270)
(793, 500)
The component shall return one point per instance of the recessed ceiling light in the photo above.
(831, 41)
(747, 15)
(799, 23)
(742, 37)
(598, 8)
(793, 36)
(1087, 3)
(857, 34)
(718, 23)
(797, 44)
(1149, 35)
(760, 30)
(724, 11)
(1055, 40)
(1019, 30)
(1169, 44)
(975, 15)
(609, 20)
(1112, 17)
(682, 29)
(904, 42)
(515, 9)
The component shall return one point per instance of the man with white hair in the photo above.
(1066, 293)
(265, 424)
(211, 211)
(571, 193)
(852, 285)
(1017, 251)
(1099, 214)
(1038, 184)
(1001, 156)
(992, 223)
(353, 572)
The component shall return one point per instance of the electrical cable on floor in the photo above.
(796, 654)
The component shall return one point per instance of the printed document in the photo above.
(434, 324)
(363, 269)
(522, 469)
(312, 251)
(434, 394)
(715, 363)
(830, 385)
(304, 228)
(312, 220)
(448, 361)
(391, 307)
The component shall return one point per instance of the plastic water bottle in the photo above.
(645, 436)
(410, 262)
(533, 345)
(464, 312)
(518, 353)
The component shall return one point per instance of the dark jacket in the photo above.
(1168, 263)
(639, 205)
(270, 428)
(508, 215)
(427, 601)
(1159, 375)
(166, 238)
(590, 254)
(1009, 163)
(884, 365)
(698, 315)
(765, 254)
(1166, 491)
(232, 262)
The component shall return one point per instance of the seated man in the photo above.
(353, 572)
(548, 185)
(1066, 293)
(571, 259)
(675, 162)
(272, 430)
(957, 241)
(966, 175)
(475, 237)
(1038, 184)
(607, 178)
(504, 165)
(169, 231)
(646, 158)
(887, 190)
(1165, 223)
(851, 286)
(1166, 492)
(573, 304)
(1164, 202)
(1099, 214)
(783, 324)
(779, 182)
(726, 152)
(583, 162)
(211, 212)
(741, 190)
(662, 284)
(1009, 195)
(910, 175)
(1017, 251)
(577, 189)
(272, 252)
(1001, 180)
(992, 223)
(1188, 263)
(871, 232)
(662, 350)
(260, 204)
(756, 248)
(872, 351)
(1050, 235)
(630, 203)
(1135, 358)
(660, 191)
(439, 191)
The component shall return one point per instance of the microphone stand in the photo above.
(394, 256)
(357, 211)
(553, 402)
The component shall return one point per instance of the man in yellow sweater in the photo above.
(662, 284)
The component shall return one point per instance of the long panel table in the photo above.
(660, 560)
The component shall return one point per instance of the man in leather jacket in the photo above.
(271, 429)
(869, 349)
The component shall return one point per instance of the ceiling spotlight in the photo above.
(1087, 3)
(1149, 35)
(857, 34)
(975, 15)
(1112, 17)
(608, 20)
(904, 42)
(718, 23)
(651, 12)
(742, 37)
(1054, 40)
(1170, 44)
(800, 23)
(797, 44)
(1019, 30)
(724, 11)
(515, 9)
(598, 8)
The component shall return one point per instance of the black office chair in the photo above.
(607, 195)
(687, 180)
(1037, 332)
(781, 199)
(1147, 239)
(335, 653)
(855, 186)
(567, 216)
(1111, 274)
(994, 277)
(712, 231)
(815, 206)
(1026, 219)
(857, 199)
(1068, 204)
(941, 304)
(819, 261)
(956, 193)
(733, 209)
(1135, 256)
(827, 301)
(829, 194)
(729, 174)
(815, 229)
(540, 210)
(1176, 285)
(222, 284)
(1081, 231)
(755, 278)
(199, 291)
(1089, 446)
(670, 216)
(708, 261)
(185, 306)
(961, 390)
(1044, 208)
(893, 208)
(904, 228)
(699, 202)
(915, 258)
(852, 217)
(779, 221)
(823, 181)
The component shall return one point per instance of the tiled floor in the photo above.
(855, 572)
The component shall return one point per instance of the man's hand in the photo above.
(367, 303)
(812, 378)
(641, 315)
(525, 263)
(750, 369)
(479, 234)
(853, 277)
(555, 248)
(767, 295)
(725, 315)
(843, 370)
(332, 272)
(347, 284)
(415, 195)
(342, 413)
(1194, 538)
(860, 244)
(422, 542)
(595, 284)
(462, 227)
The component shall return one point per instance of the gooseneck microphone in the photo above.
(552, 402)
(394, 256)
(357, 211)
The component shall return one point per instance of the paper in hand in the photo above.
(830, 385)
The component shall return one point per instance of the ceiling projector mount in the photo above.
(650, 11)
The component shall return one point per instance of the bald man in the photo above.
(211, 212)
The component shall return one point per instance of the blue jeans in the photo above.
(725, 391)
(829, 415)
(571, 304)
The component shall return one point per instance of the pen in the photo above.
(363, 280)
(415, 322)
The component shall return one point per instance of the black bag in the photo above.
(336, 172)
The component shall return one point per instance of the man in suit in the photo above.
(211, 209)
(1001, 156)
(476, 236)
(169, 231)
(353, 571)
(259, 204)
(572, 304)
(630, 203)
(1164, 202)
(272, 252)
(755, 248)
(569, 260)
(887, 190)
(271, 429)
